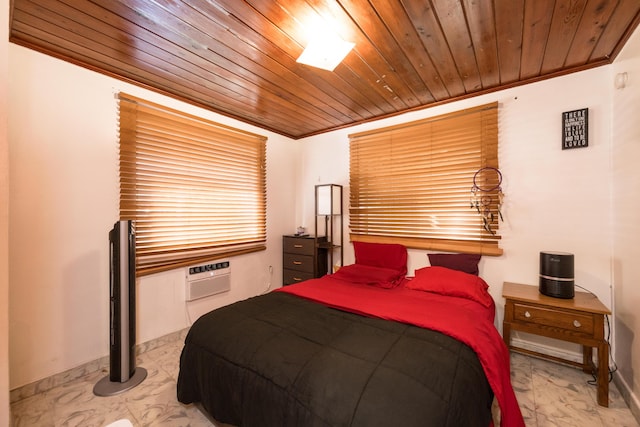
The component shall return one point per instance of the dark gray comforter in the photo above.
(280, 360)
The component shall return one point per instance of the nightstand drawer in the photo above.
(298, 245)
(576, 323)
(298, 262)
(290, 277)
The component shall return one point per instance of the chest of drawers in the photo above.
(303, 258)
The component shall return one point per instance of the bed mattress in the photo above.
(282, 360)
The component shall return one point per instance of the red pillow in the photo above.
(444, 281)
(461, 262)
(385, 255)
(368, 275)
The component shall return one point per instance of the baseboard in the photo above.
(61, 378)
(547, 349)
(627, 394)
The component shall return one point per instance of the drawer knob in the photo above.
(297, 262)
(297, 279)
(297, 246)
(577, 324)
(527, 314)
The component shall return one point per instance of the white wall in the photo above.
(64, 199)
(4, 216)
(555, 200)
(585, 201)
(626, 230)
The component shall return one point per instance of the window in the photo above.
(411, 183)
(195, 189)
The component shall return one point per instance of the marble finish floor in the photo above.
(549, 395)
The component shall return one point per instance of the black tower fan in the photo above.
(123, 373)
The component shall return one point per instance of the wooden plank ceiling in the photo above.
(238, 57)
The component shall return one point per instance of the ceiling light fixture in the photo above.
(325, 51)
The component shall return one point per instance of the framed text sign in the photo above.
(575, 129)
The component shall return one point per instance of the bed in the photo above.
(362, 347)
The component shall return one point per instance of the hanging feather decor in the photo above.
(487, 191)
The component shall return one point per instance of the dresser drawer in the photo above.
(303, 257)
(290, 277)
(298, 245)
(575, 323)
(298, 262)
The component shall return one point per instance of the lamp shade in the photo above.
(328, 199)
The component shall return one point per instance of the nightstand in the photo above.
(579, 320)
(303, 258)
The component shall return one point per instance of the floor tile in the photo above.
(549, 394)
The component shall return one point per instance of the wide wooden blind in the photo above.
(411, 183)
(195, 189)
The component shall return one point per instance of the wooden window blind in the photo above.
(411, 183)
(195, 189)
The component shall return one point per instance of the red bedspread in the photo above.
(462, 319)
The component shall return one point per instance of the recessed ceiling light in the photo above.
(325, 51)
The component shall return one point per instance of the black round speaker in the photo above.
(557, 274)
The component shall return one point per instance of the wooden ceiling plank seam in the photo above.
(454, 26)
(250, 73)
(111, 66)
(195, 89)
(343, 111)
(380, 36)
(278, 18)
(619, 28)
(366, 61)
(349, 86)
(354, 60)
(307, 105)
(151, 50)
(475, 94)
(480, 20)
(366, 58)
(509, 17)
(48, 39)
(536, 28)
(589, 31)
(294, 132)
(433, 39)
(232, 95)
(566, 17)
(340, 70)
(357, 62)
(348, 89)
(188, 96)
(378, 99)
(394, 16)
(284, 115)
(115, 21)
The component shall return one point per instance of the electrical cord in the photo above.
(613, 369)
(187, 314)
(270, 280)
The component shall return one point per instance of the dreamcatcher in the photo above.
(487, 183)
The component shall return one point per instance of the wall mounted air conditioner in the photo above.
(207, 279)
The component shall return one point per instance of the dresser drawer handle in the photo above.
(577, 324)
(297, 246)
(527, 314)
(297, 262)
(297, 279)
